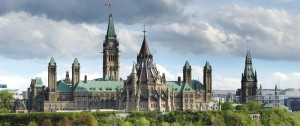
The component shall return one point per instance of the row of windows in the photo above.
(112, 58)
(95, 95)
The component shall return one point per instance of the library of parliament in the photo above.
(144, 89)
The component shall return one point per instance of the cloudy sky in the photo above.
(33, 31)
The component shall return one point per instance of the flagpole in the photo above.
(110, 7)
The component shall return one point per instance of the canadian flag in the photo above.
(107, 5)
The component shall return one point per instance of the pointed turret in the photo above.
(52, 62)
(52, 77)
(248, 57)
(111, 34)
(207, 65)
(133, 69)
(187, 65)
(187, 73)
(248, 71)
(145, 49)
(207, 80)
(76, 63)
(75, 73)
(67, 78)
(144, 52)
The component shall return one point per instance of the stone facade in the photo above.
(144, 89)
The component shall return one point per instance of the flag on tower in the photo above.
(107, 5)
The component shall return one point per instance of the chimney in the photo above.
(85, 79)
(179, 80)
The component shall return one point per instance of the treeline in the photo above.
(268, 117)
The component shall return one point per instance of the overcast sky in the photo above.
(33, 31)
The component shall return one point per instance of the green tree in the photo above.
(3, 110)
(241, 107)
(115, 120)
(5, 98)
(128, 124)
(165, 124)
(32, 123)
(142, 122)
(65, 122)
(253, 105)
(217, 120)
(226, 106)
(175, 124)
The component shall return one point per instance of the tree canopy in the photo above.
(227, 106)
(5, 98)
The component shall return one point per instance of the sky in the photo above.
(33, 31)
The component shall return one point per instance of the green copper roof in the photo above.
(207, 65)
(187, 64)
(76, 63)
(110, 29)
(63, 87)
(184, 87)
(99, 86)
(248, 57)
(52, 62)
(248, 71)
(38, 82)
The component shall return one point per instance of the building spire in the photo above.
(248, 71)
(207, 65)
(145, 49)
(52, 62)
(111, 34)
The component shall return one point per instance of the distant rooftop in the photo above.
(3, 85)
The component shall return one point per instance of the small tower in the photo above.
(134, 80)
(75, 73)
(260, 90)
(67, 78)
(52, 77)
(276, 92)
(110, 52)
(187, 73)
(207, 80)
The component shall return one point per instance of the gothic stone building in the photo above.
(249, 81)
(144, 89)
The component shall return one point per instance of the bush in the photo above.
(86, 119)
(32, 123)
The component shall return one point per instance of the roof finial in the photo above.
(144, 30)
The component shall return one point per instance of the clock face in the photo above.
(111, 44)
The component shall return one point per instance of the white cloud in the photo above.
(169, 76)
(284, 80)
(15, 82)
(26, 36)
(225, 83)
(130, 42)
(260, 27)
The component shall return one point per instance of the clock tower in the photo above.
(111, 59)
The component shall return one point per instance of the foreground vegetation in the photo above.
(140, 118)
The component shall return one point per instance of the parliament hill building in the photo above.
(144, 89)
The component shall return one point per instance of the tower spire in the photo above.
(145, 51)
(110, 34)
